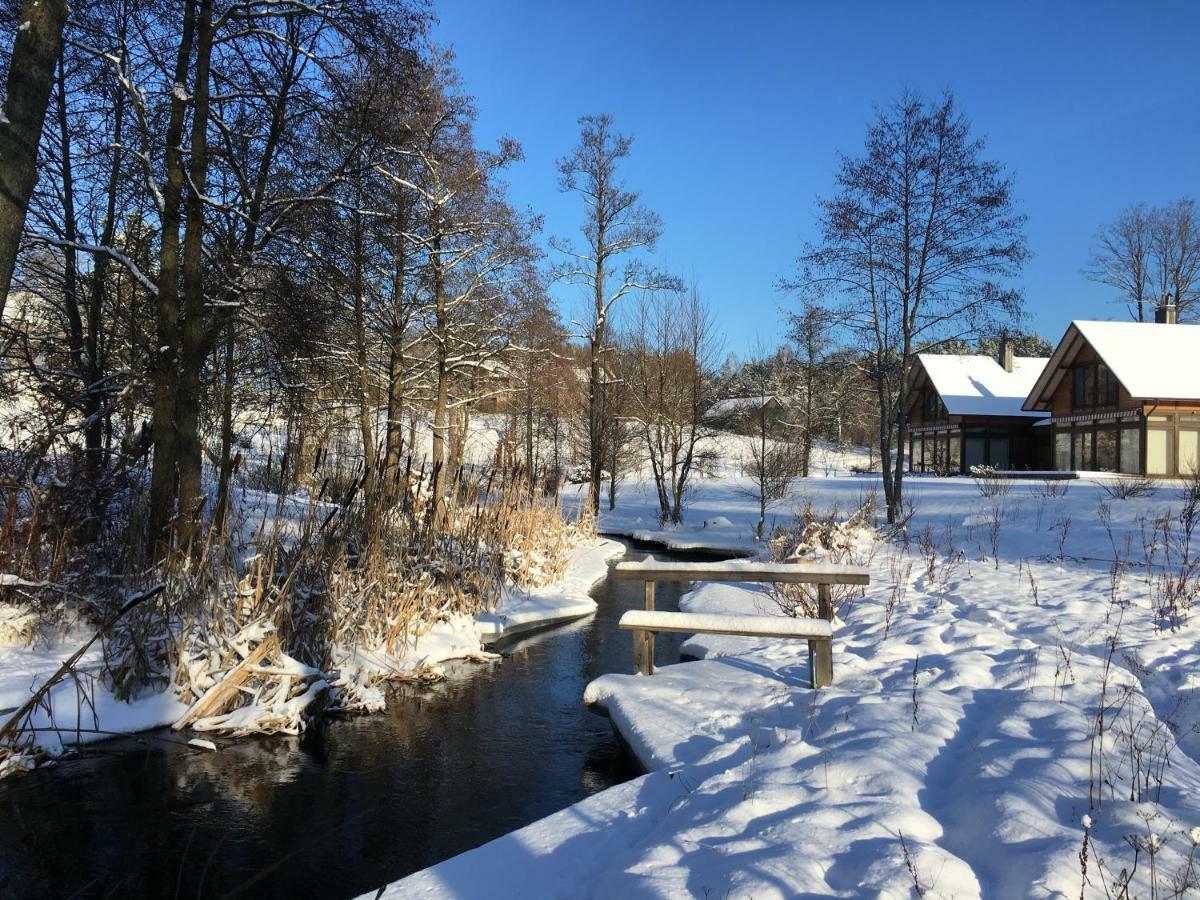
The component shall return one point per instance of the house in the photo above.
(966, 411)
(733, 409)
(1124, 397)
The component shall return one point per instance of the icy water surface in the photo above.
(346, 807)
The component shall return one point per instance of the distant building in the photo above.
(1124, 397)
(735, 408)
(967, 411)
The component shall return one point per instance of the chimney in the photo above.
(1006, 352)
(1166, 313)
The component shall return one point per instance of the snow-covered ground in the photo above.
(958, 753)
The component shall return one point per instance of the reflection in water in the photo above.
(349, 805)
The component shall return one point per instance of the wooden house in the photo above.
(1124, 397)
(966, 411)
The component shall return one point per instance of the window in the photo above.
(1093, 385)
(1131, 450)
(1158, 451)
(999, 453)
(1083, 449)
(932, 409)
(976, 451)
(1106, 449)
(955, 459)
(1083, 393)
(1062, 450)
(1189, 452)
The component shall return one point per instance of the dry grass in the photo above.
(310, 593)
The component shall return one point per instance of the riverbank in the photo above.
(352, 802)
(84, 711)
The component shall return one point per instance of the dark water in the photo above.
(347, 806)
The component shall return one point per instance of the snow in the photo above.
(954, 746)
(754, 570)
(1152, 361)
(520, 611)
(774, 626)
(980, 386)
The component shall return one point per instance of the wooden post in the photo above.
(825, 602)
(643, 652)
(648, 636)
(820, 652)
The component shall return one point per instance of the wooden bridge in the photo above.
(817, 631)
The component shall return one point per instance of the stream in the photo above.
(352, 803)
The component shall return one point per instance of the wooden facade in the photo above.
(1096, 425)
(945, 443)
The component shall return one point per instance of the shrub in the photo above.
(1128, 488)
(990, 482)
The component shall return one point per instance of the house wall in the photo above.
(1162, 439)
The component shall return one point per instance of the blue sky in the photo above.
(739, 111)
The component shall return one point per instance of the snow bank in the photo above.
(956, 753)
(519, 610)
(79, 712)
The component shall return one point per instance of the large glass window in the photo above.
(999, 453)
(1083, 449)
(1093, 385)
(955, 458)
(1106, 449)
(1131, 450)
(1158, 451)
(975, 455)
(1062, 449)
(1084, 388)
(1189, 452)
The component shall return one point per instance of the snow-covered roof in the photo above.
(735, 405)
(1154, 362)
(980, 386)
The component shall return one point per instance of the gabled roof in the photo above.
(732, 406)
(1152, 361)
(980, 386)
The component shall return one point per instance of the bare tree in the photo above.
(776, 457)
(913, 247)
(1175, 243)
(1149, 252)
(1121, 258)
(616, 226)
(669, 365)
(811, 335)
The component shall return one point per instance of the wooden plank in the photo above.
(650, 596)
(746, 626)
(820, 662)
(740, 570)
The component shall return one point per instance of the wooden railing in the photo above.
(817, 631)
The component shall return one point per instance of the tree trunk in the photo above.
(36, 48)
(394, 440)
(362, 371)
(221, 512)
(194, 345)
(163, 477)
